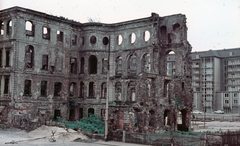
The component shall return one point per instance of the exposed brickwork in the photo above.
(58, 67)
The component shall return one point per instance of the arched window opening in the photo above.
(119, 39)
(104, 90)
(72, 89)
(29, 27)
(104, 65)
(170, 64)
(146, 36)
(93, 39)
(132, 38)
(1, 28)
(131, 91)
(118, 91)
(90, 111)
(166, 116)
(46, 33)
(73, 65)
(82, 65)
(146, 63)
(81, 90)
(132, 64)
(80, 113)
(9, 27)
(92, 64)
(57, 88)
(29, 56)
(119, 65)
(91, 90)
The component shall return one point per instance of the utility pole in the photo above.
(107, 97)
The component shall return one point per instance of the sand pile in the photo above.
(46, 133)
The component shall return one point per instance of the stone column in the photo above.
(3, 57)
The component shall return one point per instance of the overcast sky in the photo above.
(212, 24)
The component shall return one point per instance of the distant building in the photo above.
(215, 79)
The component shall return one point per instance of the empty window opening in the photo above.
(44, 62)
(182, 86)
(29, 27)
(93, 39)
(82, 65)
(146, 36)
(73, 65)
(1, 28)
(43, 88)
(80, 113)
(81, 90)
(7, 58)
(0, 57)
(166, 115)
(166, 88)
(132, 38)
(176, 26)
(9, 27)
(71, 114)
(27, 87)
(105, 40)
(119, 65)
(59, 36)
(91, 90)
(151, 118)
(104, 90)
(163, 34)
(52, 68)
(170, 65)
(118, 91)
(29, 56)
(72, 89)
(146, 62)
(6, 85)
(104, 65)
(132, 64)
(74, 39)
(46, 33)
(119, 39)
(57, 88)
(131, 91)
(183, 126)
(57, 114)
(92, 64)
(103, 111)
(90, 111)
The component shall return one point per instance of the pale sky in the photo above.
(212, 24)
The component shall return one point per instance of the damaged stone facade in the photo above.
(54, 67)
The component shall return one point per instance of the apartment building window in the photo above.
(27, 87)
(44, 62)
(226, 94)
(231, 53)
(235, 101)
(43, 88)
(226, 101)
(235, 94)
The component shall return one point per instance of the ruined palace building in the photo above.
(54, 67)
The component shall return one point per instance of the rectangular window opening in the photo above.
(59, 36)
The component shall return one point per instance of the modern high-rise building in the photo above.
(215, 79)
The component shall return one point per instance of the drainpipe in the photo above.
(107, 97)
